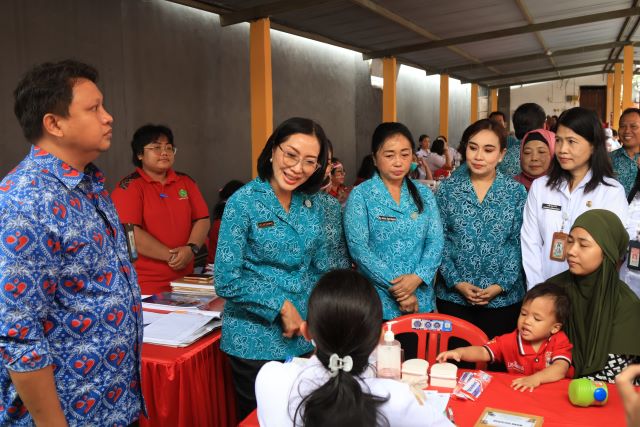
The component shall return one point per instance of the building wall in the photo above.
(166, 63)
(552, 96)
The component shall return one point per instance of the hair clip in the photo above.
(336, 363)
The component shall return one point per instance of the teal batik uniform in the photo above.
(482, 240)
(266, 256)
(625, 168)
(510, 165)
(387, 240)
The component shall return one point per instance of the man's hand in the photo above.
(180, 257)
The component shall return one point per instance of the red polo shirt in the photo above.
(167, 212)
(520, 358)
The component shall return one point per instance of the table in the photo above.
(189, 386)
(549, 401)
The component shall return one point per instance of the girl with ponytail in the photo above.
(337, 387)
(393, 228)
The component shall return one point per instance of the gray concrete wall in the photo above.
(166, 63)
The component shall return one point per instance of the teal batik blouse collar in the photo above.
(380, 193)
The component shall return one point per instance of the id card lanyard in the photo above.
(559, 241)
(633, 255)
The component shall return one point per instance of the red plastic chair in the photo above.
(434, 331)
(251, 420)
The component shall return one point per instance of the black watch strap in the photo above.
(194, 248)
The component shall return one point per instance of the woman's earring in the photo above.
(270, 159)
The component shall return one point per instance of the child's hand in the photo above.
(446, 355)
(525, 383)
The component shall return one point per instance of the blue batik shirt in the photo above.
(510, 165)
(625, 168)
(265, 256)
(482, 240)
(69, 296)
(387, 240)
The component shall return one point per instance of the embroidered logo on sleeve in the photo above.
(182, 193)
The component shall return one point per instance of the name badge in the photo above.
(265, 224)
(633, 256)
(558, 246)
(551, 207)
(387, 218)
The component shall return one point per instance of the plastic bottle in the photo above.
(585, 392)
(389, 356)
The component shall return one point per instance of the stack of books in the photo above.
(174, 301)
(194, 284)
(180, 328)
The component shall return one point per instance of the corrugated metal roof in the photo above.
(371, 26)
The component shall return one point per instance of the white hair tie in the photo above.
(336, 363)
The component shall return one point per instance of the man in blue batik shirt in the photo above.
(70, 319)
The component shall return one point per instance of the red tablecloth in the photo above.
(187, 387)
(549, 401)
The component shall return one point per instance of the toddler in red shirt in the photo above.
(537, 349)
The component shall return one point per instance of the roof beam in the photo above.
(506, 32)
(546, 79)
(542, 70)
(267, 10)
(385, 13)
(533, 57)
(525, 11)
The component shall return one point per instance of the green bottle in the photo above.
(585, 392)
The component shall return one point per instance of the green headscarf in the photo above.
(605, 313)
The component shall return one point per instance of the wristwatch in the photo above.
(194, 248)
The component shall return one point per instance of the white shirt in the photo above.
(632, 277)
(280, 388)
(544, 213)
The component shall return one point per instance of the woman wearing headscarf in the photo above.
(536, 152)
(605, 313)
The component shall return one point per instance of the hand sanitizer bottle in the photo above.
(389, 363)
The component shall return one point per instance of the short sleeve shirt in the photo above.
(167, 212)
(519, 356)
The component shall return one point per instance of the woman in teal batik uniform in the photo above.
(393, 228)
(481, 277)
(274, 245)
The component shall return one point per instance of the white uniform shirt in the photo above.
(632, 277)
(544, 213)
(280, 388)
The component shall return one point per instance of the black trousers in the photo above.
(244, 373)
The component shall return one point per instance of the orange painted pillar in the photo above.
(493, 101)
(261, 88)
(609, 115)
(617, 81)
(389, 94)
(627, 77)
(444, 105)
(474, 103)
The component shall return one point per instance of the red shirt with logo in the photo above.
(520, 358)
(167, 212)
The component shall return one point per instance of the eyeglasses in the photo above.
(159, 149)
(291, 159)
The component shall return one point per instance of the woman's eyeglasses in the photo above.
(159, 149)
(291, 159)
